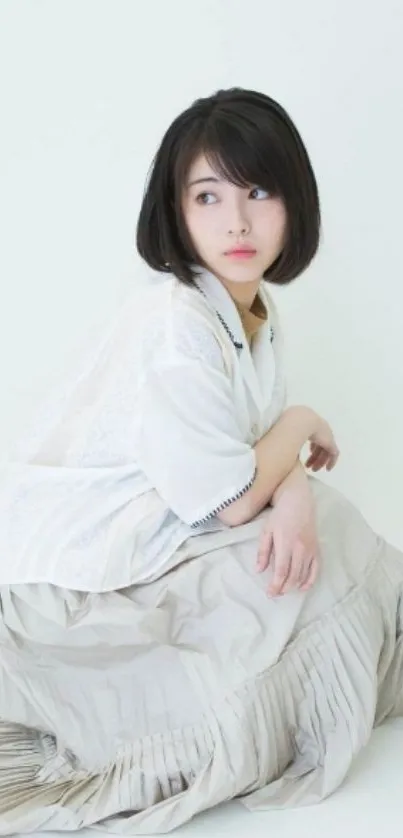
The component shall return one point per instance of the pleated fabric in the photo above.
(132, 711)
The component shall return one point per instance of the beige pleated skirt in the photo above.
(134, 710)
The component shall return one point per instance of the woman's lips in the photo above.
(241, 254)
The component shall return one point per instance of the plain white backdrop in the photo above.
(87, 89)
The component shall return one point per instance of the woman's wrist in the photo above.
(296, 483)
(305, 417)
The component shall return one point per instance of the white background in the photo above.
(87, 89)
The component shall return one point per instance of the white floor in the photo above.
(369, 803)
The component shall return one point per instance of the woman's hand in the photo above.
(324, 451)
(288, 543)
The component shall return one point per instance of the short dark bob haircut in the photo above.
(248, 139)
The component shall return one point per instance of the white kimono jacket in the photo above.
(150, 437)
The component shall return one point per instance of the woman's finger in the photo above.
(282, 559)
(312, 575)
(318, 452)
(298, 561)
(265, 550)
(320, 461)
(315, 450)
(305, 571)
(333, 460)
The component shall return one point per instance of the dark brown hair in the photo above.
(248, 139)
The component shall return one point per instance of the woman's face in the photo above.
(220, 217)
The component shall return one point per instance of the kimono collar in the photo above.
(234, 318)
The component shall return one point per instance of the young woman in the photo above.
(186, 615)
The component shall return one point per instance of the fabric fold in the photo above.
(198, 717)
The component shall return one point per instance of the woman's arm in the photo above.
(276, 456)
(295, 482)
(289, 543)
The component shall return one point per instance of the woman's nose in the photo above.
(239, 228)
(239, 225)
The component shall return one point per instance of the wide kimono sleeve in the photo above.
(193, 449)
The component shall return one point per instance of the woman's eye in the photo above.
(255, 193)
(203, 198)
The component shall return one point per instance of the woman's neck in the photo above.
(242, 293)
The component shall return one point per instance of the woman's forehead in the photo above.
(201, 168)
(202, 171)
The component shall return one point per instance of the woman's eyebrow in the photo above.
(203, 180)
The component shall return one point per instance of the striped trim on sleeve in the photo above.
(225, 504)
